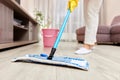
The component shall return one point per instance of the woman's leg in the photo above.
(92, 20)
(91, 10)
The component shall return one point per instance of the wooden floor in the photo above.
(104, 64)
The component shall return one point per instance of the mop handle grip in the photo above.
(72, 4)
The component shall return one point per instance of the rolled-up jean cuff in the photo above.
(90, 43)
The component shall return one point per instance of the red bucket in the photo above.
(49, 37)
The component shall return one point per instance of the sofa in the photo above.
(105, 34)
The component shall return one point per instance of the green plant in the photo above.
(39, 17)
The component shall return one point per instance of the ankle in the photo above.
(88, 46)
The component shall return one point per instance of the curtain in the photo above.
(56, 10)
(102, 16)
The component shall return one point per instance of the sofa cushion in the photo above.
(101, 38)
(115, 38)
(80, 38)
(115, 29)
(80, 31)
(116, 20)
(101, 30)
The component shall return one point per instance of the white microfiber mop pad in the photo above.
(61, 61)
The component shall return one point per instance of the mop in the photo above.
(57, 60)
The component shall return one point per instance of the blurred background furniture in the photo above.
(105, 34)
(115, 30)
(17, 27)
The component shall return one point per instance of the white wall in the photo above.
(112, 8)
(28, 5)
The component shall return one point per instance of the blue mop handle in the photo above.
(72, 4)
(59, 36)
(61, 30)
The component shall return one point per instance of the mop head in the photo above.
(60, 61)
